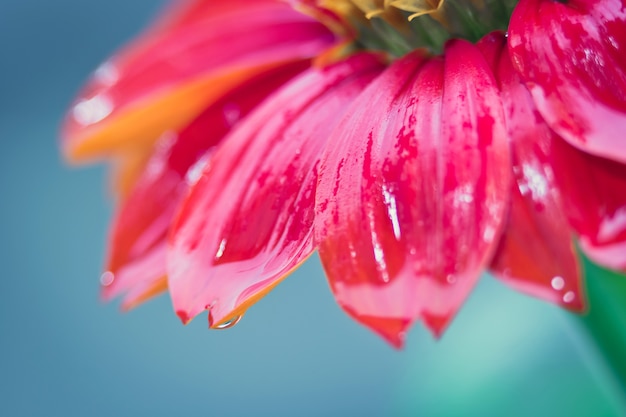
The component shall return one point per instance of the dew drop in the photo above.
(569, 297)
(558, 283)
(107, 278)
(107, 74)
(93, 110)
(451, 279)
(232, 113)
(195, 172)
(220, 250)
(488, 234)
(228, 324)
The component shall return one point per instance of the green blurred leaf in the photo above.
(606, 323)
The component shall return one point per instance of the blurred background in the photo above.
(64, 353)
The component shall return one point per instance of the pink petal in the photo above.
(594, 194)
(165, 78)
(142, 222)
(248, 221)
(180, 13)
(536, 254)
(412, 191)
(572, 56)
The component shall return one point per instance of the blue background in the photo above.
(64, 353)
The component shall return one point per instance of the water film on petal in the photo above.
(412, 192)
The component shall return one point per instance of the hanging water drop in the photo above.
(228, 324)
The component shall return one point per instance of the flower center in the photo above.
(399, 26)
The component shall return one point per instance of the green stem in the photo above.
(605, 323)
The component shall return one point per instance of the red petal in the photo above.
(412, 191)
(165, 78)
(594, 193)
(143, 220)
(572, 56)
(248, 221)
(536, 253)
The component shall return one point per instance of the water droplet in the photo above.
(220, 250)
(232, 113)
(569, 297)
(195, 172)
(228, 324)
(558, 283)
(489, 233)
(392, 210)
(451, 279)
(107, 74)
(107, 278)
(93, 110)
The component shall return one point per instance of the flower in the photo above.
(413, 143)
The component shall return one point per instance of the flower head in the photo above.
(413, 143)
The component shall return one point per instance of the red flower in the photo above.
(409, 174)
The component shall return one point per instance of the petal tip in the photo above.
(392, 330)
(579, 307)
(436, 324)
(397, 341)
(183, 316)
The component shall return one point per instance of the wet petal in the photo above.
(248, 221)
(138, 280)
(594, 193)
(165, 78)
(536, 254)
(412, 192)
(572, 56)
(142, 222)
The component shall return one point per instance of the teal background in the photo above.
(64, 353)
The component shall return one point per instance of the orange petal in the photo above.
(163, 80)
